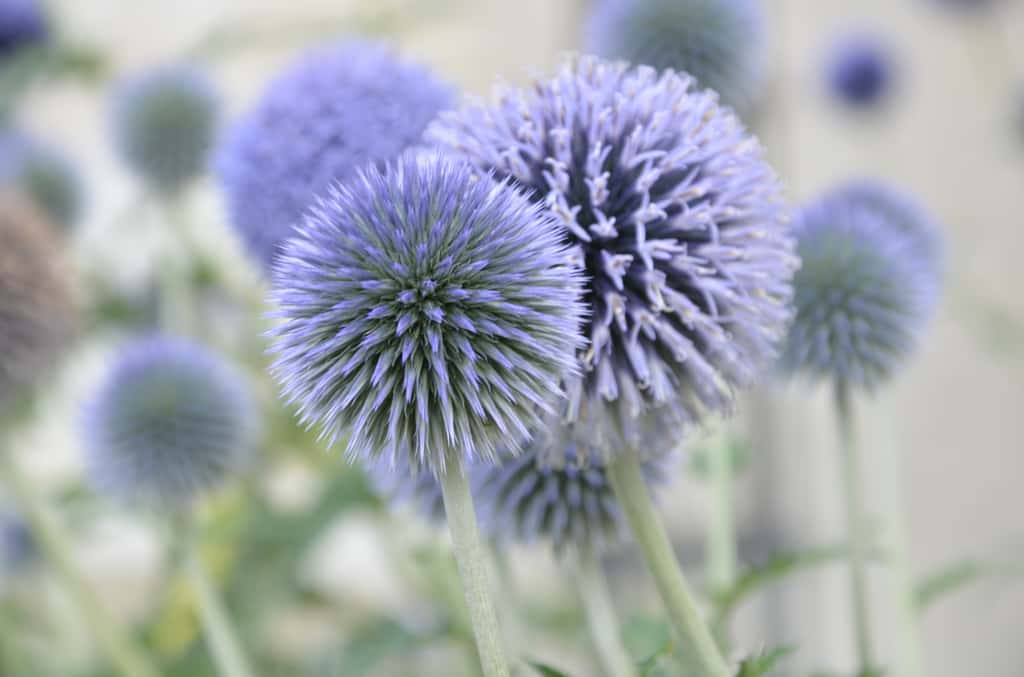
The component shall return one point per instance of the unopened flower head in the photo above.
(171, 421)
(676, 220)
(42, 174)
(718, 42)
(859, 70)
(867, 286)
(165, 124)
(334, 111)
(425, 310)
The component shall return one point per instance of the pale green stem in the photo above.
(176, 311)
(123, 654)
(855, 526)
(631, 490)
(217, 627)
(602, 621)
(721, 527)
(472, 564)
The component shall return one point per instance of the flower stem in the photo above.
(472, 564)
(123, 654)
(855, 528)
(601, 618)
(629, 486)
(220, 633)
(721, 528)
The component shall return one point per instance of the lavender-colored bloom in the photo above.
(426, 310)
(37, 312)
(676, 219)
(165, 124)
(718, 42)
(334, 111)
(171, 421)
(563, 499)
(868, 284)
(42, 174)
(859, 70)
(22, 23)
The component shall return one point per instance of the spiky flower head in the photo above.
(859, 70)
(17, 545)
(718, 42)
(560, 499)
(42, 174)
(402, 483)
(336, 110)
(165, 125)
(37, 310)
(867, 286)
(676, 220)
(425, 310)
(171, 421)
(22, 23)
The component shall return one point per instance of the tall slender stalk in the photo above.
(721, 571)
(602, 621)
(217, 627)
(122, 653)
(856, 532)
(472, 563)
(630, 488)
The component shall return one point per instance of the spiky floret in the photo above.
(676, 220)
(867, 286)
(22, 23)
(562, 499)
(171, 421)
(336, 110)
(859, 69)
(42, 174)
(425, 310)
(37, 310)
(718, 42)
(165, 124)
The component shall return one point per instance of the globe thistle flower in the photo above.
(676, 220)
(171, 421)
(866, 288)
(562, 500)
(859, 70)
(718, 42)
(164, 125)
(402, 483)
(22, 23)
(334, 111)
(424, 309)
(17, 545)
(37, 312)
(42, 174)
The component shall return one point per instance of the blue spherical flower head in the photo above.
(165, 124)
(718, 42)
(860, 70)
(171, 421)
(334, 111)
(425, 310)
(867, 286)
(676, 220)
(44, 175)
(22, 23)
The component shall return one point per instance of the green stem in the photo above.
(631, 489)
(220, 633)
(602, 621)
(472, 563)
(721, 527)
(855, 528)
(123, 654)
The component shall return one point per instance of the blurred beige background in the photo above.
(956, 416)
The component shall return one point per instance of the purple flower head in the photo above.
(718, 42)
(333, 112)
(22, 23)
(425, 310)
(859, 70)
(37, 309)
(42, 174)
(171, 421)
(18, 548)
(867, 286)
(676, 220)
(165, 124)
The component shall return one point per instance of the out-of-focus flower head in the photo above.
(22, 23)
(859, 70)
(42, 174)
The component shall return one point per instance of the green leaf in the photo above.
(647, 639)
(546, 670)
(955, 576)
(763, 663)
